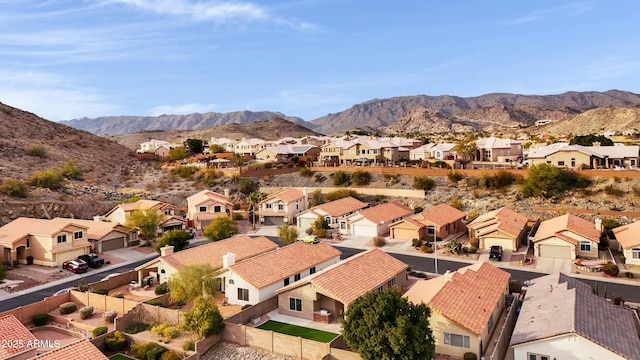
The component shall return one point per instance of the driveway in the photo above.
(553, 265)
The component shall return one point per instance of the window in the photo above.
(62, 238)
(286, 281)
(268, 206)
(243, 294)
(381, 287)
(431, 230)
(296, 277)
(295, 304)
(560, 163)
(77, 235)
(391, 283)
(585, 246)
(532, 356)
(168, 212)
(280, 205)
(343, 225)
(202, 209)
(635, 252)
(29, 245)
(456, 340)
(573, 162)
(490, 323)
(217, 208)
(313, 269)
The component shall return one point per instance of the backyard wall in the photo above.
(256, 310)
(25, 313)
(361, 190)
(115, 281)
(102, 302)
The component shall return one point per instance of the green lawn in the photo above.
(121, 357)
(303, 332)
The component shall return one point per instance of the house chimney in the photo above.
(228, 259)
(448, 275)
(226, 193)
(97, 218)
(166, 250)
(598, 222)
(596, 143)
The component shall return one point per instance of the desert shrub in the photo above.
(115, 341)
(159, 328)
(609, 224)
(189, 345)
(629, 275)
(418, 209)
(156, 303)
(67, 308)
(136, 328)
(184, 172)
(616, 299)
(36, 150)
(171, 355)
(109, 316)
(379, 241)
(454, 247)
(40, 319)
(416, 242)
(390, 178)
(611, 269)
(456, 203)
(340, 178)
(321, 233)
(423, 183)
(118, 295)
(548, 181)
(305, 171)
(613, 191)
(472, 215)
(474, 242)
(342, 193)
(140, 350)
(48, 179)
(163, 288)
(171, 332)
(70, 170)
(247, 186)
(100, 330)
(101, 291)
(470, 356)
(426, 249)
(14, 187)
(361, 178)
(86, 312)
(623, 259)
(455, 176)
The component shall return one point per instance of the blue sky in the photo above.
(65, 59)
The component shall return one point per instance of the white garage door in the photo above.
(364, 230)
(506, 244)
(68, 255)
(304, 223)
(555, 251)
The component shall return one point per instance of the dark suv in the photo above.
(495, 253)
(93, 260)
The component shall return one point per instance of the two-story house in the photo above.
(282, 206)
(122, 212)
(498, 149)
(281, 153)
(106, 235)
(501, 227)
(249, 147)
(332, 212)
(206, 205)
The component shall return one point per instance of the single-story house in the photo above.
(561, 318)
(375, 221)
(282, 206)
(169, 262)
(567, 237)
(256, 279)
(12, 331)
(327, 294)
(439, 151)
(106, 235)
(465, 307)
(49, 242)
(207, 205)
(628, 237)
(439, 222)
(332, 211)
(590, 157)
(501, 227)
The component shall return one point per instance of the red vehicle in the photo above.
(77, 266)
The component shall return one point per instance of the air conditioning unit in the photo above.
(324, 312)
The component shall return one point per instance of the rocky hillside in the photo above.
(595, 121)
(491, 111)
(113, 125)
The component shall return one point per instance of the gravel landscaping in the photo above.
(229, 351)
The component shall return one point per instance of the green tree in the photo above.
(203, 318)
(220, 228)
(361, 178)
(177, 153)
(177, 238)
(216, 149)
(317, 197)
(548, 181)
(14, 187)
(466, 149)
(384, 325)
(194, 146)
(287, 234)
(320, 223)
(254, 199)
(193, 281)
(240, 160)
(423, 183)
(147, 222)
(588, 140)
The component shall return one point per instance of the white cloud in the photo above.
(183, 109)
(572, 9)
(201, 10)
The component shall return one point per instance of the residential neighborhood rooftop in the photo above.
(501, 219)
(341, 206)
(287, 195)
(441, 215)
(11, 330)
(627, 235)
(385, 212)
(79, 350)
(567, 222)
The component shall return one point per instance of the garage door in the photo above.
(554, 251)
(68, 255)
(112, 244)
(273, 221)
(507, 244)
(304, 223)
(364, 230)
(404, 234)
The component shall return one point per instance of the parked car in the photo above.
(77, 266)
(93, 260)
(495, 253)
(311, 239)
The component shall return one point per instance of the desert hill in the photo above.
(596, 121)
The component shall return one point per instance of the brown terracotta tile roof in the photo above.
(467, 298)
(567, 222)
(386, 212)
(242, 245)
(79, 350)
(441, 215)
(22, 227)
(11, 332)
(502, 219)
(273, 266)
(627, 235)
(97, 229)
(354, 276)
(287, 195)
(341, 206)
(415, 223)
(206, 195)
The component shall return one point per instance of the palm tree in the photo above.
(255, 198)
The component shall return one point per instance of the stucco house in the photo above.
(122, 212)
(589, 157)
(439, 222)
(327, 294)
(282, 153)
(282, 206)
(106, 235)
(78, 350)
(439, 151)
(256, 279)
(567, 237)
(50, 242)
(628, 237)
(206, 205)
(332, 211)
(561, 318)
(249, 147)
(465, 307)
(501, 227)
(375, 221)
(169, 262)
(498, 149)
